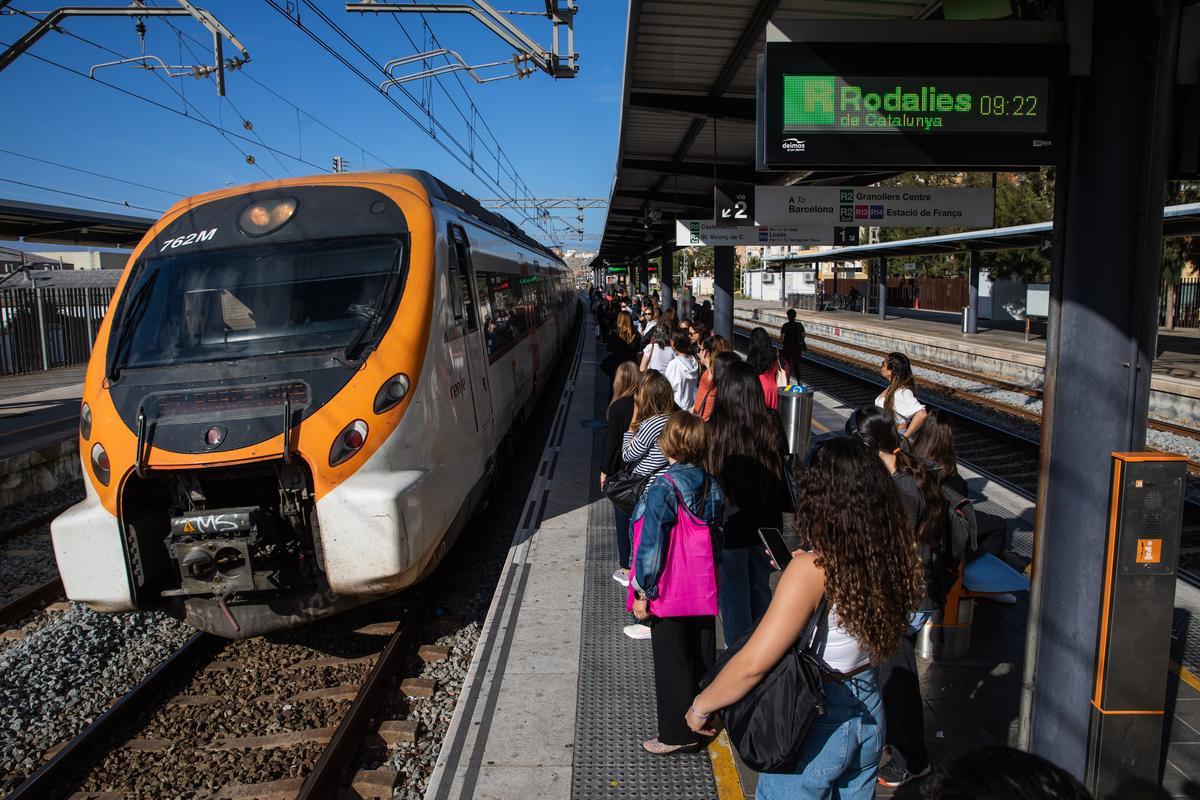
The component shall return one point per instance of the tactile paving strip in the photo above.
(616, 684)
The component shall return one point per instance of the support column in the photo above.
(666, 274)
(881, 311)
(643, 278)
(783, 292)
(723, 291)
(1099, 349)
(972, 325)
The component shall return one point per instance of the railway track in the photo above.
(1032, 417)
(1001, 454)
(315, 712)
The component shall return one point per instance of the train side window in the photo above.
(460, 281)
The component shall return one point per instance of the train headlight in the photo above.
(392, 392)
(85, 422)
(100, 465)
(266, 216)
(348, 442)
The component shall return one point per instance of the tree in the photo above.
(1022, 198)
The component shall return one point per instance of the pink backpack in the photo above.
(688, 586)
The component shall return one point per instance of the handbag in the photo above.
(767, 727)
(623, 489)
(688, 584)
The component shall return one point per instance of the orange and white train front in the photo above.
(243, 432)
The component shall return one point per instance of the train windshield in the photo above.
(262, 300)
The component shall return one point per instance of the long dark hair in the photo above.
(936, 442)
(902, 378)
(876, 428)
(745, 450)
(849, 511)
(762, 352)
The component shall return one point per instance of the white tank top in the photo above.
(838, 649)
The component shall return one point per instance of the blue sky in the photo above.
(561, 135)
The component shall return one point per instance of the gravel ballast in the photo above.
(59, 678)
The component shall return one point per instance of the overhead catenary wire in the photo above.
(245, 73)
(89, 172)
(459, 152)
(174, 89)
(225, 97)
(165, 107)
(121, 203)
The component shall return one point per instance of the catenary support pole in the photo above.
(972, 325)
(723, 291)
(1099, 350)
(666, 274)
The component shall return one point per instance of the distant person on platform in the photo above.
(793, 346)
(705, 314)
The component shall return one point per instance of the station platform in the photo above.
(39, 421)
(557, 700)
(999, 350)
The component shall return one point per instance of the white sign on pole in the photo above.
(699, 232)
(903, 207)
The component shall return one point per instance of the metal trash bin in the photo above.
(795, 412)
(947, 642)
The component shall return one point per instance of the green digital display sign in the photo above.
(894, 104)
(829, 103)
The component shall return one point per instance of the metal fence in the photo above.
(1179, 305)
(42, 329)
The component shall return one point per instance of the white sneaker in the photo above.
(621, 576)
(637, 631)
(1003, 598)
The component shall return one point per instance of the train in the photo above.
(299, 395)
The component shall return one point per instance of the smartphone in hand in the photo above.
(772, 539)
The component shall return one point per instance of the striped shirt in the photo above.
(641, 448)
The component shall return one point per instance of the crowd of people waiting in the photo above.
(695, 463)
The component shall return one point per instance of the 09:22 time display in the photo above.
(997, 105)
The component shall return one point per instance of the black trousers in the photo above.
(684, 651)
(902, 707)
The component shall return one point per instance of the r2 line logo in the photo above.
(191, 238)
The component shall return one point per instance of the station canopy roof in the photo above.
(34, 222)
(1181, 220)
(688, 109)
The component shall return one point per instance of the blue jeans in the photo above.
(624, 540)
(841, 753)
(745, 590)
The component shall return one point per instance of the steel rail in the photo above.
(22, 604)
(322, 781)
(965, 396)
(69, 762)
(44, 518)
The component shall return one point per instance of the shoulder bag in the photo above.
(623, 489)
(767, 727)
(688, 584)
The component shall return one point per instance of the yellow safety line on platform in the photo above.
(1186, 675)
(725, 774)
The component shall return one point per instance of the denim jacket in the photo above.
(657, 510)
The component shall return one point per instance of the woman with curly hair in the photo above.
(864, 561)
(926, 513)
(900, 398)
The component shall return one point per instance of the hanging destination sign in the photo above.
(873, 206)
(701, 232)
